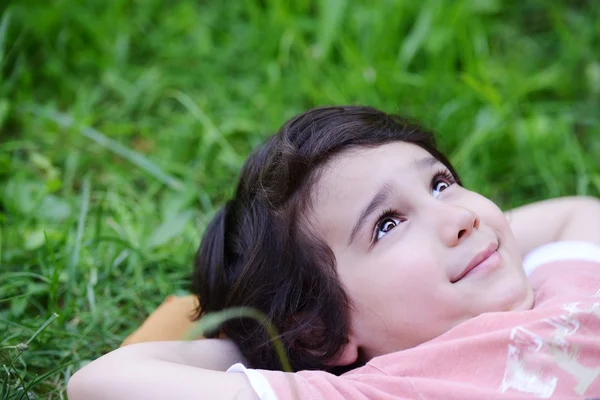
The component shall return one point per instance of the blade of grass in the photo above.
(3, 28)
(10, 393)
(4, 389)
(74, 259)
(40, 378)
(230, 155)
(20, 348)
(414, 41)
(132, 156)
(212, 322)
(54, 279)
(53, 317)
(331, 13)
(25, 274)
(91, 295)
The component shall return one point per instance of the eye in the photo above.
(389, 219)
(385, 224)
(441, 181)
(440, 187)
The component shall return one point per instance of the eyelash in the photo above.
(442, 175)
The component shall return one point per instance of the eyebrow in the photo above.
(385, 192)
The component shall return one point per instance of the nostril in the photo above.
(461, 233)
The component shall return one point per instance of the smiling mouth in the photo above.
(479, 259)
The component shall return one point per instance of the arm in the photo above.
(163, 370)
(565, 218)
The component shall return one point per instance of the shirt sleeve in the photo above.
(365, 383)
(259, 383)
(560, 251)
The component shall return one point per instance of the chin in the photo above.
(526, 302)
(521, 298)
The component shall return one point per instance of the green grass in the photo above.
(123, 125)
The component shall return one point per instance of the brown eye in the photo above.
(388, 225)
(441, 186)
(441, 181)
(385, 225)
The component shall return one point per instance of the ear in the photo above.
(347, 355)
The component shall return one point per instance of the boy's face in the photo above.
(405, 271)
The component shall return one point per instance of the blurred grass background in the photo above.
(123, 125)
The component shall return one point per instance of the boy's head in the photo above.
(352, 233)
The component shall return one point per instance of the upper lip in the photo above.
(475, 261)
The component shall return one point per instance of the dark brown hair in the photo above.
(259, 252)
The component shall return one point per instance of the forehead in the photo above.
(355, 170)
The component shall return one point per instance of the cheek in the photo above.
(493, 216)
(403, 273)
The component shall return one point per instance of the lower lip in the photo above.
(486, 265)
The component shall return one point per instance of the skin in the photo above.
(159, 370)
(435, 229)
(563, 218)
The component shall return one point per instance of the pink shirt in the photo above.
(551, 351)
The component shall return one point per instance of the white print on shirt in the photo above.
(516, 375)
(565, 355)
(529, 354)
(573, 308)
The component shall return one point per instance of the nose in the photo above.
(456, 223)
